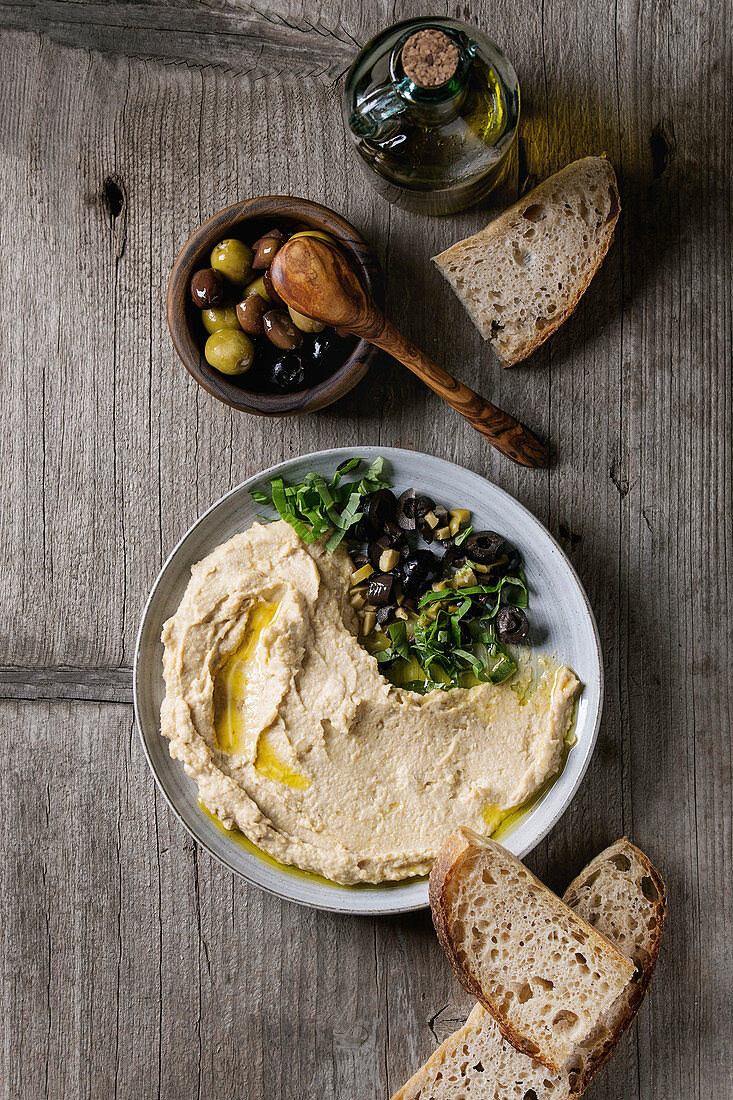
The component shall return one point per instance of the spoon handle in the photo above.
(498, 427)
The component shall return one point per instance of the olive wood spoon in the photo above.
(316, 279)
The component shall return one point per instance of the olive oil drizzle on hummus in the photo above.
(231, 694)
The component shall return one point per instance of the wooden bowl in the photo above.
(248, 220)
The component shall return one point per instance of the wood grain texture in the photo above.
(132, 965)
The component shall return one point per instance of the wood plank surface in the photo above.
(132, 964)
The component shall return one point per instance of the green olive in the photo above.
(219, 317)
(305, 324)
(229, 352)
(312, 233)
(257, 286)
(233, 259)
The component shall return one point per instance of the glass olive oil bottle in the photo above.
(432, 106)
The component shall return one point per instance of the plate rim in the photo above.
(364, 452)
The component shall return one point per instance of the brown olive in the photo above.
(207, 288)
(265, 249)
(272, 294)
(281, 331)
(250, 312)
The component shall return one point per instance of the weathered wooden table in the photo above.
(132, 965)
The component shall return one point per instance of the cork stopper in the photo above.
(430, 58)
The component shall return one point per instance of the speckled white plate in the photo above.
(562, 625)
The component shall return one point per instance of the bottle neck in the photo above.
(428, 84)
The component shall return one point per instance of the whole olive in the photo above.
(265, 249)
(314, 233)
(233, 259)
(219, 317)
(207, 288)
(288, 373)
(281, 331)
(322, 347)
(512, 625)
(229, 352)
(305, 324)
(272, 294)
(250, 312)
(257, 286)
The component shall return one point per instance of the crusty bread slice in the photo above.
(524, 274)
(622, 894)
(542, 971)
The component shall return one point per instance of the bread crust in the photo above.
(453, 852)
(503, 225)
(601, 1055)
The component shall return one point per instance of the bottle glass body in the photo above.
(432, 149)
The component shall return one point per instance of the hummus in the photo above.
(294, 737)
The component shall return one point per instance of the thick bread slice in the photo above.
(622, 894)
(544, 973)
(524, 274)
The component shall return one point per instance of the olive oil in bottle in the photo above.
(432, 106)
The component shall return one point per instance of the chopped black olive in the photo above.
(512, 625)
(485, 547)
(379, 590)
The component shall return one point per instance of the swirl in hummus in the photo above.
(294, 737)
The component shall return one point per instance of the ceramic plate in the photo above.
(562, 625)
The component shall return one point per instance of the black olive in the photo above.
(485, 547)
(454, 557)
(321, 347)
(379, 590)
(425, 531)
(361, 530)
(423, 505)
(379, 507)
(512, 625)
(406, 510)
(385, 613)
(418, 572)
(394, 532)
(288, 373)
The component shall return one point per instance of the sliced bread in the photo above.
(541, 970)
(524, 274)
(622, 895)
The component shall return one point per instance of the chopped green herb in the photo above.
(316, 508)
